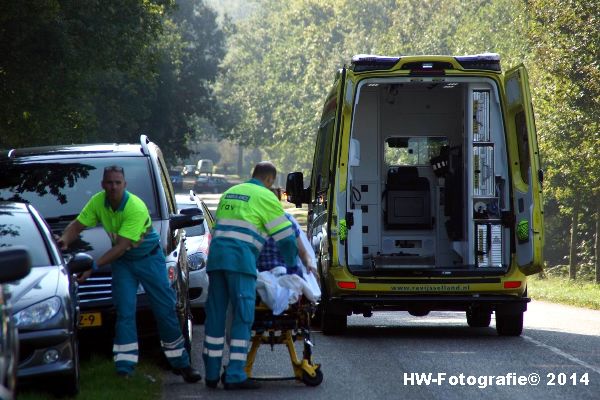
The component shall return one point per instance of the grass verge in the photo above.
(100, 382)
(565, 291)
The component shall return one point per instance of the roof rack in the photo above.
(371, 62)
(487, 61)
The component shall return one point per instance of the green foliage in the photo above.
(567, 82)
(562, 290)
(96, 71)
(99, 382)
(282, 60)
(63, 55)
(184, 106)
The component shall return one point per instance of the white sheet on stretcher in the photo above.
(277, 289)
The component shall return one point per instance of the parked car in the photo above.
(45, 302)
(15, 263)
(212, 184)
(59, 181)
(189, 170)
(205, 166)
(197, 242)
(176, 179)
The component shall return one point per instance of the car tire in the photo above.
(509, 324)
(331, 324)
(68, 385)
(198, 316)
(479, 318)
(184, 314)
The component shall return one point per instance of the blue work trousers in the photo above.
(151, 272)
(239, 289)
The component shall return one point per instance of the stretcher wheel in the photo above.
(312, 380)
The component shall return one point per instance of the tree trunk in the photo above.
(573, 245)
(240, 161)
(597, 244)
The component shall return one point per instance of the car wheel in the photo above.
(331, 324)
(479, 318)
(184, 314)
(11, 373)
(509, 324)
(68, 385)
(198, 315)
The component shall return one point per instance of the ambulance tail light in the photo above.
(346, 285)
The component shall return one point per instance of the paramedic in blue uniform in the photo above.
(135, 257)
(246, 216)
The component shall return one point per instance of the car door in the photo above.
(526, 172)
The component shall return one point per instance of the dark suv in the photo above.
(59, 180)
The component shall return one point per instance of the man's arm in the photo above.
(70, 233)
(120, 247)
(305, 257)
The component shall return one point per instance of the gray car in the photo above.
(14, 264)
(45, 302)
(197, 241)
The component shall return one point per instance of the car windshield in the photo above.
(60, 188)
(19, 229)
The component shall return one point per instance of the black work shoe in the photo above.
(189, 374)
(124, 374)
(247, 384)
(211, 383)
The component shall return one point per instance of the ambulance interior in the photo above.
(428, 177)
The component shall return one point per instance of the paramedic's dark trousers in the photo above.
(150, 271)
(240, 290)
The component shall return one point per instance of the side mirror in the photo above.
(190, 211)
(79, 263)
(15, 263)
(178, 221)
(294, 187)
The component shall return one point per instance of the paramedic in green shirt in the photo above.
(246, 216)
(135, 257)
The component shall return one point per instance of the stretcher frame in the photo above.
(291, 326)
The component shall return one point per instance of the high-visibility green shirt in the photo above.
(246, 216)
(130, 220)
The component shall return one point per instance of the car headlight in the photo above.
(38, 313)
(197, 261)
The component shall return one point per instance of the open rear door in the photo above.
(526, 172)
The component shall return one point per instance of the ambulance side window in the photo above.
(323, 155)
(523, 145)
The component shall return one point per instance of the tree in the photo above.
(568, 48)
(61, 55)
(282, 60)
(97, 71)
(184, 107)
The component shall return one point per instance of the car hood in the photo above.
(39, 285)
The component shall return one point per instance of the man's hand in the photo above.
(312, 269)
(84, 275)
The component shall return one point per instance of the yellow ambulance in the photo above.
(425, 192)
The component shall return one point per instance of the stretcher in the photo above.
(291, 326)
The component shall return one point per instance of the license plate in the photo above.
(88, 320)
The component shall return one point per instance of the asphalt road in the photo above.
(378, 357)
